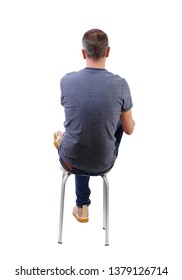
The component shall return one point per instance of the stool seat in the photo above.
(65, 176)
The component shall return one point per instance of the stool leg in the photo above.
(104, 205)
(64, 179)
(106, 208)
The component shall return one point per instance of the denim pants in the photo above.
(82, 178)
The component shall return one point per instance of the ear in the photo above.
(84, 53)
(107, 53)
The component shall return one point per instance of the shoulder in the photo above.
(117, 80)
(116, 77)
(69, 75)
(73, 74)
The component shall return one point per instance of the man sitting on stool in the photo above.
(97, 107)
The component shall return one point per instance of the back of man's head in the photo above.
(95, 43)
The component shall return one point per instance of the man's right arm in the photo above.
(127, 122)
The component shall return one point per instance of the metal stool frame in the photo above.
(65, 176)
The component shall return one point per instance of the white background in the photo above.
(41, 41)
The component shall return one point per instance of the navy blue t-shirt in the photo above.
(93, 100)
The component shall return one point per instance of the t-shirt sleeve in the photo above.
(127, 99)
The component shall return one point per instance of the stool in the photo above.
(105, 206)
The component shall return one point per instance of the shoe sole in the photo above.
(55, 136)
(55, 141)
(81, 220)
(56, 145)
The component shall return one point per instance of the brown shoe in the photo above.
(58, 137)
(81, 214)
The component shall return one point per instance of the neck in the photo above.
(95, 64)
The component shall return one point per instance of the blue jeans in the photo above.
(82, 178)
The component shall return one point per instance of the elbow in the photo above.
(129, 130)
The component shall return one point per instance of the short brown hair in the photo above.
(95, 43)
